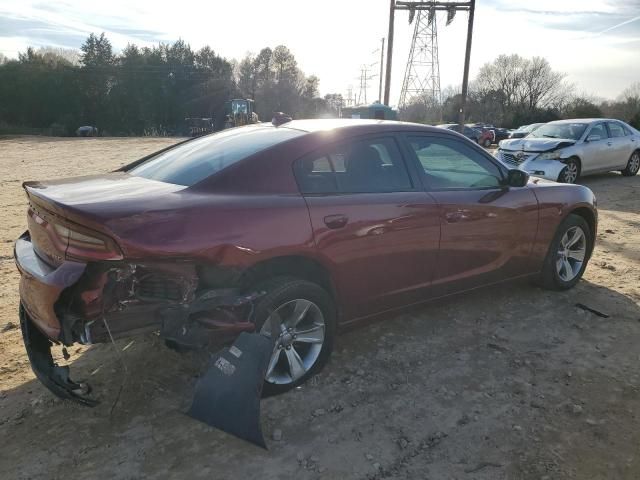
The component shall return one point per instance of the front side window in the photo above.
(193, 161)
(616, 130)
(598, 130)
(449, 164)
(363, 166)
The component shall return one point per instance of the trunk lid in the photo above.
(98, 197)
(98, 202)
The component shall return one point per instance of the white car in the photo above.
(566, 149)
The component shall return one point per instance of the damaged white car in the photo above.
(565, 150)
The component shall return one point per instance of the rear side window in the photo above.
(193, 161)
(616, 130)
(363, 166)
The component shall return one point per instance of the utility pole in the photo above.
(467, 58)
(387, 80)
(381, 71)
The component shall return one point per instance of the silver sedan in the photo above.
(564, 150)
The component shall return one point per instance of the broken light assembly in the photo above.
(87, 245)
(555, 155)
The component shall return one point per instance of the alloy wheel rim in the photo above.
(300, 329)
(571, 253)
(570, 173)
(635, 163)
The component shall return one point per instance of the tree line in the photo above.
(146, 89)
(513, 91)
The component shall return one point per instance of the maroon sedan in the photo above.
(291, 231)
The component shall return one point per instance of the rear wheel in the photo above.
(633, 165)
(568, 254)
(571, 172)
(300, 317)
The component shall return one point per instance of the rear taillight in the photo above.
(83, 244)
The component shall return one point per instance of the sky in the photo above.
(596, 43)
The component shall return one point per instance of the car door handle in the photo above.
(609, 143)
(336, 221)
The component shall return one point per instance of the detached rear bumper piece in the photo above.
(41, 285)
(53, 376)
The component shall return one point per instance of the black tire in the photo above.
(571, 172)
(549, 277)
(487, 142)
(281, 290)
(633, 165)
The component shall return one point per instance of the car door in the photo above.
(621, 145)
(487, 229)
(372, 223)
(596, 149)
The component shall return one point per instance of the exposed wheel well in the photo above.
(291, 265)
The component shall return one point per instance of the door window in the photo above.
(363, 166)
(449, 164)
(616, 130)
(599, 131)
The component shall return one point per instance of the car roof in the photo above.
(317, 125)
(585, 120)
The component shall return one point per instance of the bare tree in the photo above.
(504, 75)
(511, 86)
(540, 84)
(69, 54)
(630, 101)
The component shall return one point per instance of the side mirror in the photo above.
(517, 178)
(593, 137)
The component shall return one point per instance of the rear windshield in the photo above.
(193, 161)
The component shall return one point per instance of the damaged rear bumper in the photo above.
(53, 376)
(99, 301)
(41, 285)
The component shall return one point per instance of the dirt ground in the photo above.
(509, 382)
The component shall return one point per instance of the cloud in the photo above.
(593, 17)
(137, 33)
(40, 33)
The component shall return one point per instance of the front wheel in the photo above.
(568, 254)
(301, 318)
(571, 172)
(633, 165)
